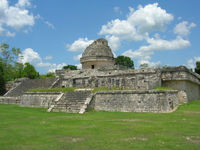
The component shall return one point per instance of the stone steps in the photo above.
(25, 85)
(71, 102)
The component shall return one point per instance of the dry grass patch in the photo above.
(70, 139)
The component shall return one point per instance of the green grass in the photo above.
(106, 89)
(53, 90)
(34, 129)
(163, 88)
(72, 89)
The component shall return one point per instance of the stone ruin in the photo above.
(137, 92)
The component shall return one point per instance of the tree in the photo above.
(145, 65)
(9, 58)
(70, 67)
(19, 70)
(197, 69)
(2, 80)
(30, 72)
(124, 61)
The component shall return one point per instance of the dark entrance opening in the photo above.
(92, 66)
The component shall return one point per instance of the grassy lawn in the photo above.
(35, 129)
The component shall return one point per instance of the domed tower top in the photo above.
(97, 55)
(98, 48)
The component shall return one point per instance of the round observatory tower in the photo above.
(97, 55)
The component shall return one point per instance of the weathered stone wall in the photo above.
(141, 79)
(38, 99)
(10, 100)
(179, 74)
(182, 79)
(98, 64)
(136, 101)
(122, 101)
(192, 89)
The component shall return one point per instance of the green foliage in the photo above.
(2, 80)
(163, 88)
(9, 59)
(37, 129)
(197, 69)
(70, 67)
(48, 75)
(106, 89)
(124, 61)
(145, 65)
(10, 69)
(53, 90)
(73, 89)
(30, 72)
(19, 70)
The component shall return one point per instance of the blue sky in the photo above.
(53, 33)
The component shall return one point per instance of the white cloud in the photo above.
(150, 18)
(49, 24)
(114, 42)
(14, 17)
(122, 29)
(79, 45)
(183, 28)
(23, 3)
(48, 58)
(117, 9)
(79, 66)
(150, 64)
(191, 63)
(144, 52)
(137, 26)
(77, 58)
(51, 67)
(45, 21)
(55, 67)
(29, 55)
(138, 23)
(10, 34)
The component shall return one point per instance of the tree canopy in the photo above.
(197, 69)
(11, 68)
(30, 72)
(124, 61)
(70, 67)
(2, 80)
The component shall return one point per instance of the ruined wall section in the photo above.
(136, 101)
(182, 79)
(38, 99)
(141, 79)
(10, 100)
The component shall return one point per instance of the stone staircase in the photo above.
(72, 102)
(25, 85)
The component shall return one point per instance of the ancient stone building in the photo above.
(97, 55)
(137, 86)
